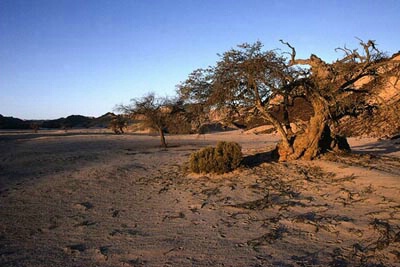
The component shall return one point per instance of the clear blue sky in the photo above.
(63, 57)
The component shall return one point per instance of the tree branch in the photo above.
(293, 54)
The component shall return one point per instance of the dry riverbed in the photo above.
(96, 199)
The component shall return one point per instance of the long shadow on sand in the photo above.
(258, 159)
(381, 147)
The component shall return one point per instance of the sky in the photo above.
(64, 57)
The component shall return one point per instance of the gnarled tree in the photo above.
(250, 78)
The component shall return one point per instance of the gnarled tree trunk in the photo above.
(316, 139)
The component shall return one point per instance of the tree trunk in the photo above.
(286, 119)
(315, 140)
(276, 124)
(162, 137)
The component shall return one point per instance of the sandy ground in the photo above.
(97, 199)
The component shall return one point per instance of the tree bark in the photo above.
(316, 139)
(286, 119)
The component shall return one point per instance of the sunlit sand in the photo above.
(91, 198)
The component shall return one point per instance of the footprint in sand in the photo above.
(115, 213)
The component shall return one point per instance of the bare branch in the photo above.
(293, 54)
(346, 50)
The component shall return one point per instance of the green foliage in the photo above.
(223, 158)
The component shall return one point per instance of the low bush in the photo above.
(223, 158)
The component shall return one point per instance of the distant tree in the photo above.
(118, 123)
(156, 112)
(34, 126)
(248, 78)
(187, 118)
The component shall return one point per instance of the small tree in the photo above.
(34, 126)
(156, 112)
(118, 123)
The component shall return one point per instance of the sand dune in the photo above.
(96, 199)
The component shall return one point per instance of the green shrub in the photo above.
(225, 157)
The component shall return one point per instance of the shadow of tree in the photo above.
(258, 159)
(381, 147)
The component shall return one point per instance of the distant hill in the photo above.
(13, 123)
(73, 121)
(102, 121)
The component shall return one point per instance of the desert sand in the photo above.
(91, 198)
